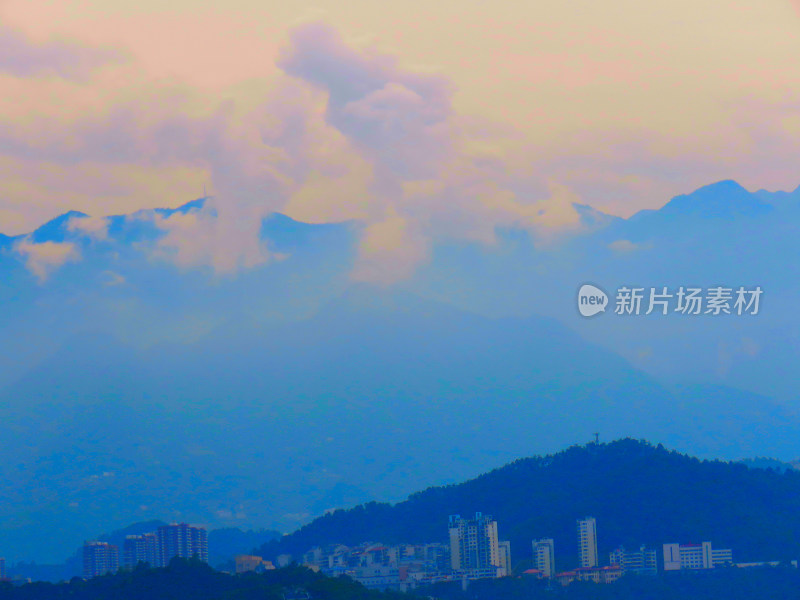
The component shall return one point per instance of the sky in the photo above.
(425, 121)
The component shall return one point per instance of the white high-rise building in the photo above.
(504, 551)
(141, 548)
(587, 542)
(473, 543)
(99, 558)
(181, 540)
(544, 558)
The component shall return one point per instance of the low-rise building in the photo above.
(642, 561)
(604, 575)
(246, 563)
(679, 557)
(537, 573)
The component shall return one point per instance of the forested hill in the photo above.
(193, 580)
(639, 493)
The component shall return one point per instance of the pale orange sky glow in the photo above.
(421, 119)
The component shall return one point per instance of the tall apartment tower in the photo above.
(473, 543)
(587, 542)
(180, 539)
(544, 556)
(505, 558)
(99, 558)
(141, 549)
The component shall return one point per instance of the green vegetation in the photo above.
(639, 493)
(194, 580)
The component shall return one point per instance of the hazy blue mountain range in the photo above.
(131, 389)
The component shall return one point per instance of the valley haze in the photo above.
(270, 397)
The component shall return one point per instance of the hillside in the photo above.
(335, 392)
(183, 579)
(638, 492)
(346, 406)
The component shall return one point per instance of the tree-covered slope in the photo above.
(192, 579)
(638, 492)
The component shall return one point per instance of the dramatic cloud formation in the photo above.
(398, 116)
(569, 104)
(426, 180)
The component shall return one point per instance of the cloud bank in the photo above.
(23, 57)
(340, 129)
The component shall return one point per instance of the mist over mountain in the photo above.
(134, 388)
(719, 235)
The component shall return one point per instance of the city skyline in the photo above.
(455, 300)
(471, 550)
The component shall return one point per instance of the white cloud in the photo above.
(389, 250)
(201, 238)
(44, 258)
(94, 227)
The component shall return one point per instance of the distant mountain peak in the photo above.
(723, 199)
(726, 185)
(592, 218)
(55, 230)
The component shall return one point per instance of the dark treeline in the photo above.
(195, 580)
(639, 493)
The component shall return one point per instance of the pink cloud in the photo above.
(398, 114)
(22, 57)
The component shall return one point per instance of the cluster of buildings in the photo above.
(621, 561)
(156, 548)
(641, 561)
(474, 551)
